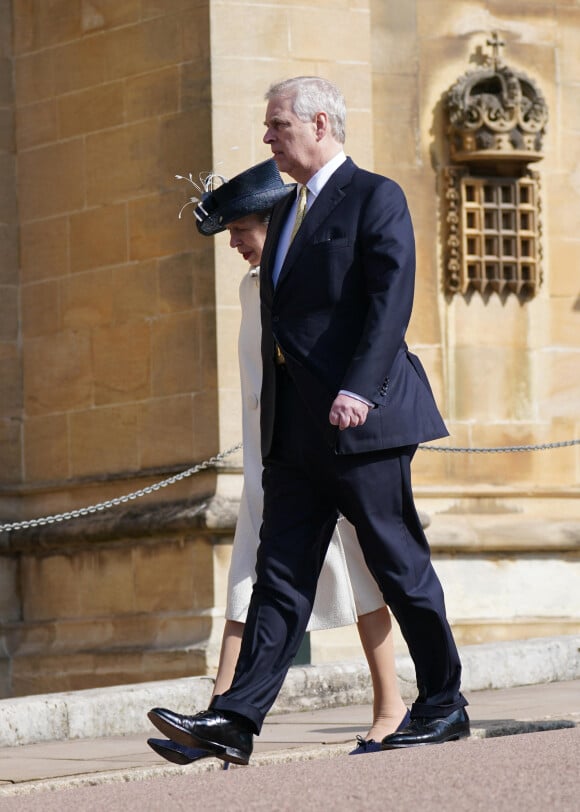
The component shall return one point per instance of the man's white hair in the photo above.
(311, 95)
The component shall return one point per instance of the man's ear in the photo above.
(321, 124)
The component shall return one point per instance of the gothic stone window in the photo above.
(497, 119)
(493, 233)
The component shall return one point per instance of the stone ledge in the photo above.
(485, 534)
(122, 710)
(215, 513)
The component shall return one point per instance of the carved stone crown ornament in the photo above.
(496, 112)
(496, 120)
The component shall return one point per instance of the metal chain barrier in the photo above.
(121, 500)
(212, 461)
(498, 449)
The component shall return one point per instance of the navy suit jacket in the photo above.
(340, 311)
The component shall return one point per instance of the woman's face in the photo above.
(247, 235)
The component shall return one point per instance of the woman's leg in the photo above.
(375, 630)
(230, 650)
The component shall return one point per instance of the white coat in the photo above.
(346, 588)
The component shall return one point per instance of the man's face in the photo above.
(248, 235)
(294, 143)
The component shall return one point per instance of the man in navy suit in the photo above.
(344, 406)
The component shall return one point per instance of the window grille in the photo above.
(493, 233)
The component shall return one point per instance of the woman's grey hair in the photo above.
(311, 95)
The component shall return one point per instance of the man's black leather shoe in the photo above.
(429, 731)
(177, 753)
(210, 730)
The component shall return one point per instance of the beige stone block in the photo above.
(102, 14)
(51, 180)
(50, 587)
(11, 379)
(489, 322)
(121, 363)
(9, 267)
(40, 309)
(34, 77)
(154, 229)
(181, 137)
(176, 284)
(237, 148)
(394, 37)
(98, 237)
(206, 428)
(203, 274)
(166, 431)
(227, 330)
(197, 41)
(8, 313)
(79, 64)
(425, 326)
(570, 104)
(122, 162)
(165, 576)
(104, 440)
(9, 591)
(8, 202)
(46, 448)
(86, 299)
(349, 33)
(176, 355)
(38, 24)
(135, 291)
(431, 468)
(568, 20)
(6, 83)
(105, 578)
(194, 91)
(395, 134)
(57, 372)
(152, 95)
(44, 249)
(251, 34)
(491, 384)
(229, 270)
(37, 124)
(563, 269)
(10, 441)
(142, 48)
(96, 108)
(153, 8)
(565, 322)
(6, 129)
(558, 371)
(562, 196)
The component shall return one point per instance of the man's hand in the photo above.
(346, 412)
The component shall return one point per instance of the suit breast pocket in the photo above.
(331, 241)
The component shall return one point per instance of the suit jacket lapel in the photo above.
(331, 195)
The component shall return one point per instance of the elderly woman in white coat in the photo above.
(346, 593)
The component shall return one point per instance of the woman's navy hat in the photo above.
(255, 190)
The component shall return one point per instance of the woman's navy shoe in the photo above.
(370, 745)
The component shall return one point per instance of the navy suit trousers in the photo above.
(306, 486)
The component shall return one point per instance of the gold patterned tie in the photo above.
(300, 211)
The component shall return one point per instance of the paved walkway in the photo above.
(304, 766)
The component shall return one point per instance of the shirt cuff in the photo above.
(369, 403)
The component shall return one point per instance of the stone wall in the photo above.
(10, 361)
(117, 300)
